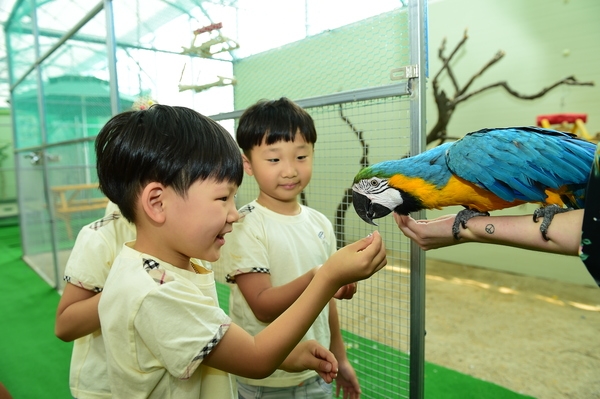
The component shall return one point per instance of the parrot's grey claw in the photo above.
(456, 231)
(547, 214)
(545, 235)
(461, 220)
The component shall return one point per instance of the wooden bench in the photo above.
(68, 199)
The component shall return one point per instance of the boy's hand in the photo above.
(347, 382)
(356, 261)
(310, 355)
(347, 291)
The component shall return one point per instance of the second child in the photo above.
(277, 248)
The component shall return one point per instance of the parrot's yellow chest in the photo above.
(456, 191)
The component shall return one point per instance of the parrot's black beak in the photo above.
(366, 209)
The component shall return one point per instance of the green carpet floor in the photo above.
(34, 364)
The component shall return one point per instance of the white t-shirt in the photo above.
(97, 245)
(159, 322)
(285, 247)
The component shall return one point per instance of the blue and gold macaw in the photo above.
(486, 170)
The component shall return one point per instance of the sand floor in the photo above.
(531, 335)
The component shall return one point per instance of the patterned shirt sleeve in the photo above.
(245, 251)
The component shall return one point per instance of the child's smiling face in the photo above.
(198, 222)
(282, 170)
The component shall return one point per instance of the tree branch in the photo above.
(570, 81)
(491, 62)
(446, 64)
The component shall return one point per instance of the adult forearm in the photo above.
(564, 232)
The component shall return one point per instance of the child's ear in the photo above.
(152, 201)
(247, 165)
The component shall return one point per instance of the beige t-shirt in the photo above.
(159, 322)
(285, 247)
(95, 249)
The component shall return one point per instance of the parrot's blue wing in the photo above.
(429, 166)
(519, 163)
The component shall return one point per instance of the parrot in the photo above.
(486, 170)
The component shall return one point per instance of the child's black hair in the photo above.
(174, 146)
(274, 121)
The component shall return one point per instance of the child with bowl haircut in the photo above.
(276, 250)
(174, 173)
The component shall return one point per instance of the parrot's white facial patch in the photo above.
(379, 192)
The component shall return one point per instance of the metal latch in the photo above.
(405, 72)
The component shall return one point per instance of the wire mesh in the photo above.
(216, 57)
(375, 323)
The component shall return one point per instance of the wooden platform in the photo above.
(73, 198)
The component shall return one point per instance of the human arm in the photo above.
(346, 380)
(310, 355)
(268, 302)
(257, 357)
(77, 313)
(519, 231)
(86, 270)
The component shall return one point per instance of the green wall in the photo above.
(544, 42)
(351, 57)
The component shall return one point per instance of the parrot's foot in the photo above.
(547, 214)
(461, 220)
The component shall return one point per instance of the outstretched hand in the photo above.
(428, 234)
(310, 355)
(356, 261)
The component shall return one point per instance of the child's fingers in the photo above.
(375, 253)
(372, 242)
(376, 249)
(363, 243)
(324, 363)
(347, 291)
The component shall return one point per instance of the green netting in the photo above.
(216, 56)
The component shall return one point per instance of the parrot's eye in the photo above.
(374, 182)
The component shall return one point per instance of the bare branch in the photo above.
(446, 106)
(446, 64)
(570, 81)
(491, 62)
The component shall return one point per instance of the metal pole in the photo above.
(40, 58)
(369, 93)
(115, 101)
(7, 37)
(44, 140)
(418, 54)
